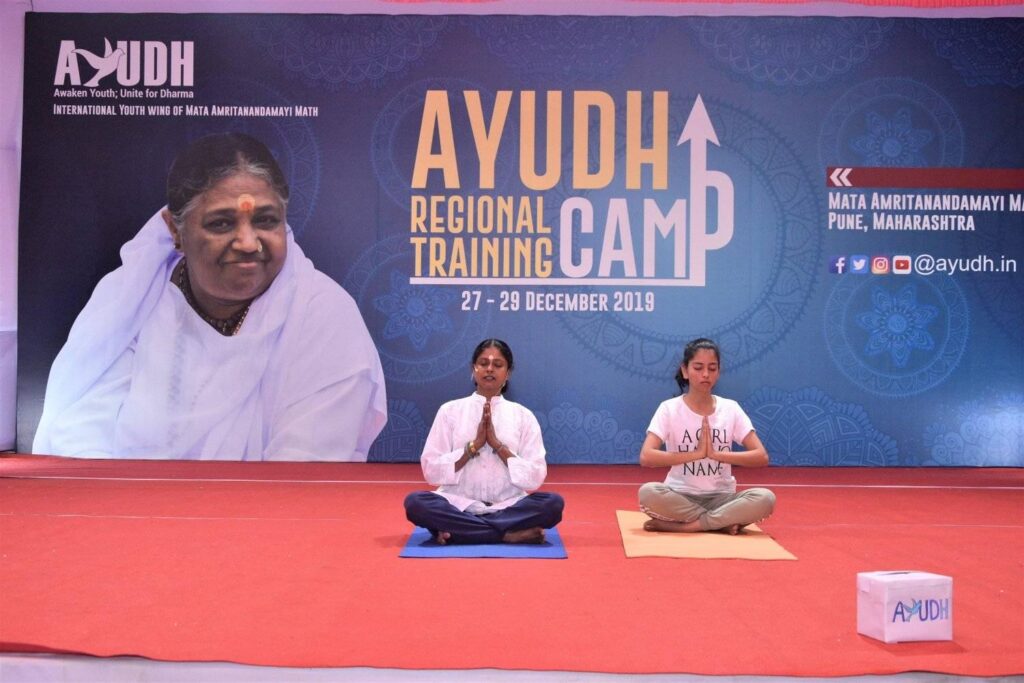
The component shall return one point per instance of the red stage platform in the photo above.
(297, 565)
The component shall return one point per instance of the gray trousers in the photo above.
(715, 511)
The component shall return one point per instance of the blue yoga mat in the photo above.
(422, 544)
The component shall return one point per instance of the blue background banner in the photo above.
(661, 178)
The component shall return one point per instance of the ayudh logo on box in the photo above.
(150, 63)
(922, 610)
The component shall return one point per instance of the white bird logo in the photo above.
(104, 65)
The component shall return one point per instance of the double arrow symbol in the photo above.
(839, 177)
(926, 178)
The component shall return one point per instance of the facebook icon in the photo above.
(837, 264)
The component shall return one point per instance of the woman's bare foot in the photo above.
(442, 537)
(532, 535)
(672, 527)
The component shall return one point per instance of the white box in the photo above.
(902, 606)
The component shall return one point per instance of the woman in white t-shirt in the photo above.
(693, 434)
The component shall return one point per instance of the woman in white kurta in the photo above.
(216, 338)
(693, 434)
(485, 454)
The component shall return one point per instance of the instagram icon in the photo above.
(879, 265)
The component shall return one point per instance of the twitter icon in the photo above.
(859, 264)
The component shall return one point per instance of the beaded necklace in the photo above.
(229, 327)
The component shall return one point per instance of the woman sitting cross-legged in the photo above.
(693, 434)
(485, 453)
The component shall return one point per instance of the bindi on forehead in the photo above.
(246, 203)
(490, 358)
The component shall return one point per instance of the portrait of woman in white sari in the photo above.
(217, 338)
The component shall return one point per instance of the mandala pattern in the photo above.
(809, 428)
(983, 52)
(791, 51)
(979, 433)
(896, 340)
(792, 264)
(1001, 295)
(892, 142)
(415, 312)
(396, 131)
(290, 140)
(441, 352)
(340, 51)
(575, 435)
(403, 436)
(897, 324)
(564, 46)
(892, 122)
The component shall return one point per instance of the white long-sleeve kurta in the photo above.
(485, 478)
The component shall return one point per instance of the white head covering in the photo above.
(122, 301)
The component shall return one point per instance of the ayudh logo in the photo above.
(922, 610)
(135, 62)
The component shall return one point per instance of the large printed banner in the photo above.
(838, 202)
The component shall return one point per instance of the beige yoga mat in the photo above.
(752, 544)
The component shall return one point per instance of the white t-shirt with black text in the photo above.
(679, 427)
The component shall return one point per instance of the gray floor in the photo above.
(15, 668)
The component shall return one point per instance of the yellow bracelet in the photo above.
(471, 448)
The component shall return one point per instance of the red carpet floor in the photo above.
(297, 565)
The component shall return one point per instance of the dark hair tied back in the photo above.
(503, 349)
(208, 160)
(689, 352)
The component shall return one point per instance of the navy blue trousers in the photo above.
(434, 513)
